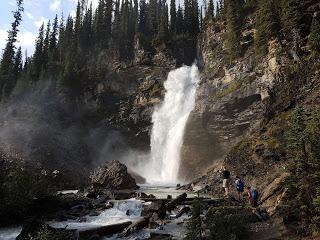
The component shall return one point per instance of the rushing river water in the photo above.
(117, 214)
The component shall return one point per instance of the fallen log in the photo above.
(85, 234)
(136, 226)
(173, 203)
(183, 211)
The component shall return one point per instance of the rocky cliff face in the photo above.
(230, 101)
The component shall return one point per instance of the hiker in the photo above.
(253, 196)
(225, 173)
(240, 187)
(226, 181)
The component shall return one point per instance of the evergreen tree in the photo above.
(77, 26)
(61, 39)
(233, 32)
(38, 54)
(163, 24)
(180, 21)
(143, 24)
(46, 43)
(7, 77)
(187, 16)
(218, 9)
(53, 51)
(195, 226)
(86, 30)
(314, 37)
(17, 63)
(135, 15)
(210, 11)
(291, 18)
(267, 25)
(153, 17)
(100, 28)
(108, 20)
(173, 17)
(194, 18)
(302, 148)
(116, 23)
(68, 36)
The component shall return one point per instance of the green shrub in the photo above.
(19, 187)
(226, 225)
(195, 224)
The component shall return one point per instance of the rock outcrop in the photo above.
(113, 175)
(230, 102)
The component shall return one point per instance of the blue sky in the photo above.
(35, 13)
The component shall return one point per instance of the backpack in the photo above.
(254, 194)
(225, 174)
(240, 185)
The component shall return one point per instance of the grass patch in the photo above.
(233, 86)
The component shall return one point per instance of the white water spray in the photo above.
(169, 121)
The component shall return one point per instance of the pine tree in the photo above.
(291, 18)
(38, 54)
(233, 32)
(314, 37)
(163, 23)
(180, 21)
(210, 12)
(300, 182)
(86, 30)
(173, 17)
(108, 20)
(143, 24)
(53, 51)
(187, 16)
(135, 15)
(17, 63)
(46, 43)
(153, 17)
(77, 26)
(218, 11)
(116, 23)
(267, 26)
(194, 18)
(194, 225)
(7, 79)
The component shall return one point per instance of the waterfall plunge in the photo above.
(169, 121)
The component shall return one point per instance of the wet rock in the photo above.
(182, 211)
(34, 227)
(101, 231)
(158, 207)
(139, 179)
(113, 175)
(160, 236)
(173, 203)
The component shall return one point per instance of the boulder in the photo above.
(113, 175)
(139, 179)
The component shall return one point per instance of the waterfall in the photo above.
(169, 120)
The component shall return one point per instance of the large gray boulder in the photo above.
(113, 175)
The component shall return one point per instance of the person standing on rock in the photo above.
(240, 187)
(253, 197)
(226, 181)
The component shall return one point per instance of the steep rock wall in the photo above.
(230, 101)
